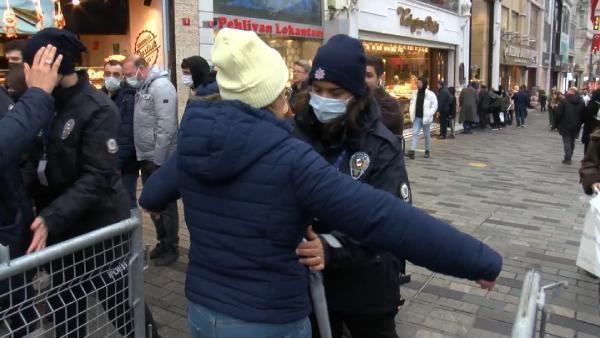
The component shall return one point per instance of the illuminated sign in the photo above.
(268, 27)
(407, 20)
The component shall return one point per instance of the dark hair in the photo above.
(138, 61)
(198, 67)
(377, 63)
(113, 63)
(14, 45)
(452, 90)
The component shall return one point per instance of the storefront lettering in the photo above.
(407, 20)
(520, 55)
(146, 45)
(393, 48)
(268, 28)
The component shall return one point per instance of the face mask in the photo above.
(112, 84)
(187, 81)
(327, 109)
(134, 81)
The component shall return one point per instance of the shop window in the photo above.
(566, 14)
(533, 28)
(451, 5)
(505, 15)
(514, 22)
(294, 49)
(572, 36)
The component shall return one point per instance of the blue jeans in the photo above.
(130, 184)
(520, 117)
(417, 126)
(467, 127)
(205, 323)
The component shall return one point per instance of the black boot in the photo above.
(158, 251)
(411, 155)
(427, 154)
(169, 257)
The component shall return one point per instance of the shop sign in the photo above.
(382, 48)
(263, 27)
(519, 55)
(407, 20)
(306, 12)
(146, 45)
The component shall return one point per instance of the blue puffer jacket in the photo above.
(249, 190)
(124, 99)
(207, 89)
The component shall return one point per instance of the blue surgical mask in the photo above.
(112, 84)
(327, 109)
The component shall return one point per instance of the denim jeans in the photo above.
(205, 323)
(520, 117)
(467, 127)
(569, 146)
(417, 126)
(130, 184)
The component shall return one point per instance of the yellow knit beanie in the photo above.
(247, 68)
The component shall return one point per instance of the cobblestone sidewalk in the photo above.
(507, 188)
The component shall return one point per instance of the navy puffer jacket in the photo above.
(249, 190)
(124, 99)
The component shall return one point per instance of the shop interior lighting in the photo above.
(76, 2)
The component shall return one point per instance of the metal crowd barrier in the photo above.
(533, 299)
(88, 286)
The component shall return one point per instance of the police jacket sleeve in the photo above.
(382, 221)
(21, 125)
(97, 168)
(165, 107)
(161, 187)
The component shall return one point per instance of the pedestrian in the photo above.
(362, 285)
(483, 107)
(555, 99)
(497, 107)
(423, 106)
(13, 52)
(521, 100)
(590, 166)
(391, 115)
(468, 108)
(568, 119)
(543, 100)
(79, 190)
(444, 99)
(155, 136)
(19, 127)
(590, 119)
(586, 96)
(123, 96)
(196, 75)
(452, 117)
(300, 79)
(248, 185)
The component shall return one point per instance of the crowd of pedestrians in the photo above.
(269, 178)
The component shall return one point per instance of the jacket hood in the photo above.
(218, 140)
(207, 89)
(154, 74)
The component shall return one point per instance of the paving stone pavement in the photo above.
(507, 188)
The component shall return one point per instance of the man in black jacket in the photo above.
(390, 108)
(78, 186)
(484, 107)
(568, 120)
(19, 124)
(444, 105)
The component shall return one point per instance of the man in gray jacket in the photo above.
(155, 136)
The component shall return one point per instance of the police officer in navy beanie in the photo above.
(340, 118)
(78, 188)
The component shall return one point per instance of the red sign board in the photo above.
(596, 43)
(186, 21)
(261, 27)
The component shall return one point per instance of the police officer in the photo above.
(18, 127)
(78, 184)
(342, 121)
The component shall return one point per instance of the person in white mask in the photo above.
(195, 75)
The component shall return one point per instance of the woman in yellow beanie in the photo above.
(250, 190)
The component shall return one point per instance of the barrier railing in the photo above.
(88, 286)
(533, 299)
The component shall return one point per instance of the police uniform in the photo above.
(361, 285)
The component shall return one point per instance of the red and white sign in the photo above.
(186, 21)
(266, 27)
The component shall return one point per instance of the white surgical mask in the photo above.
(134, 81)
(112, 84)
(327, 109)
(187, 80)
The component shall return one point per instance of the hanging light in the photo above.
(75, 2)
(9, 19)
(39, 15)
(59, 18)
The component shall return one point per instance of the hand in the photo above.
(596, 187)
(43, 73)
(40, 235)
(486, 285)
(311, 251)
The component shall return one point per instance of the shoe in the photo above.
(411, 155)
(451, 136)
(566, 161)
(158, 251)
(495, 129)
(168, 258)
(441, 137)
(427, 154)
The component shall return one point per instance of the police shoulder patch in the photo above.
(405, 192)
(112, 146)
(359, 163)
(67, 129)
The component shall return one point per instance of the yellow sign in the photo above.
(393, 48)
(407, 20)
(146, 45)
(596, 23)
(477, 165)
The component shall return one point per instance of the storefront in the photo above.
(416, 40)
(518, 66)
(106, 28)
(295, 29)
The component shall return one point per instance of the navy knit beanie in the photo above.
(341, 61)
(66, 43)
